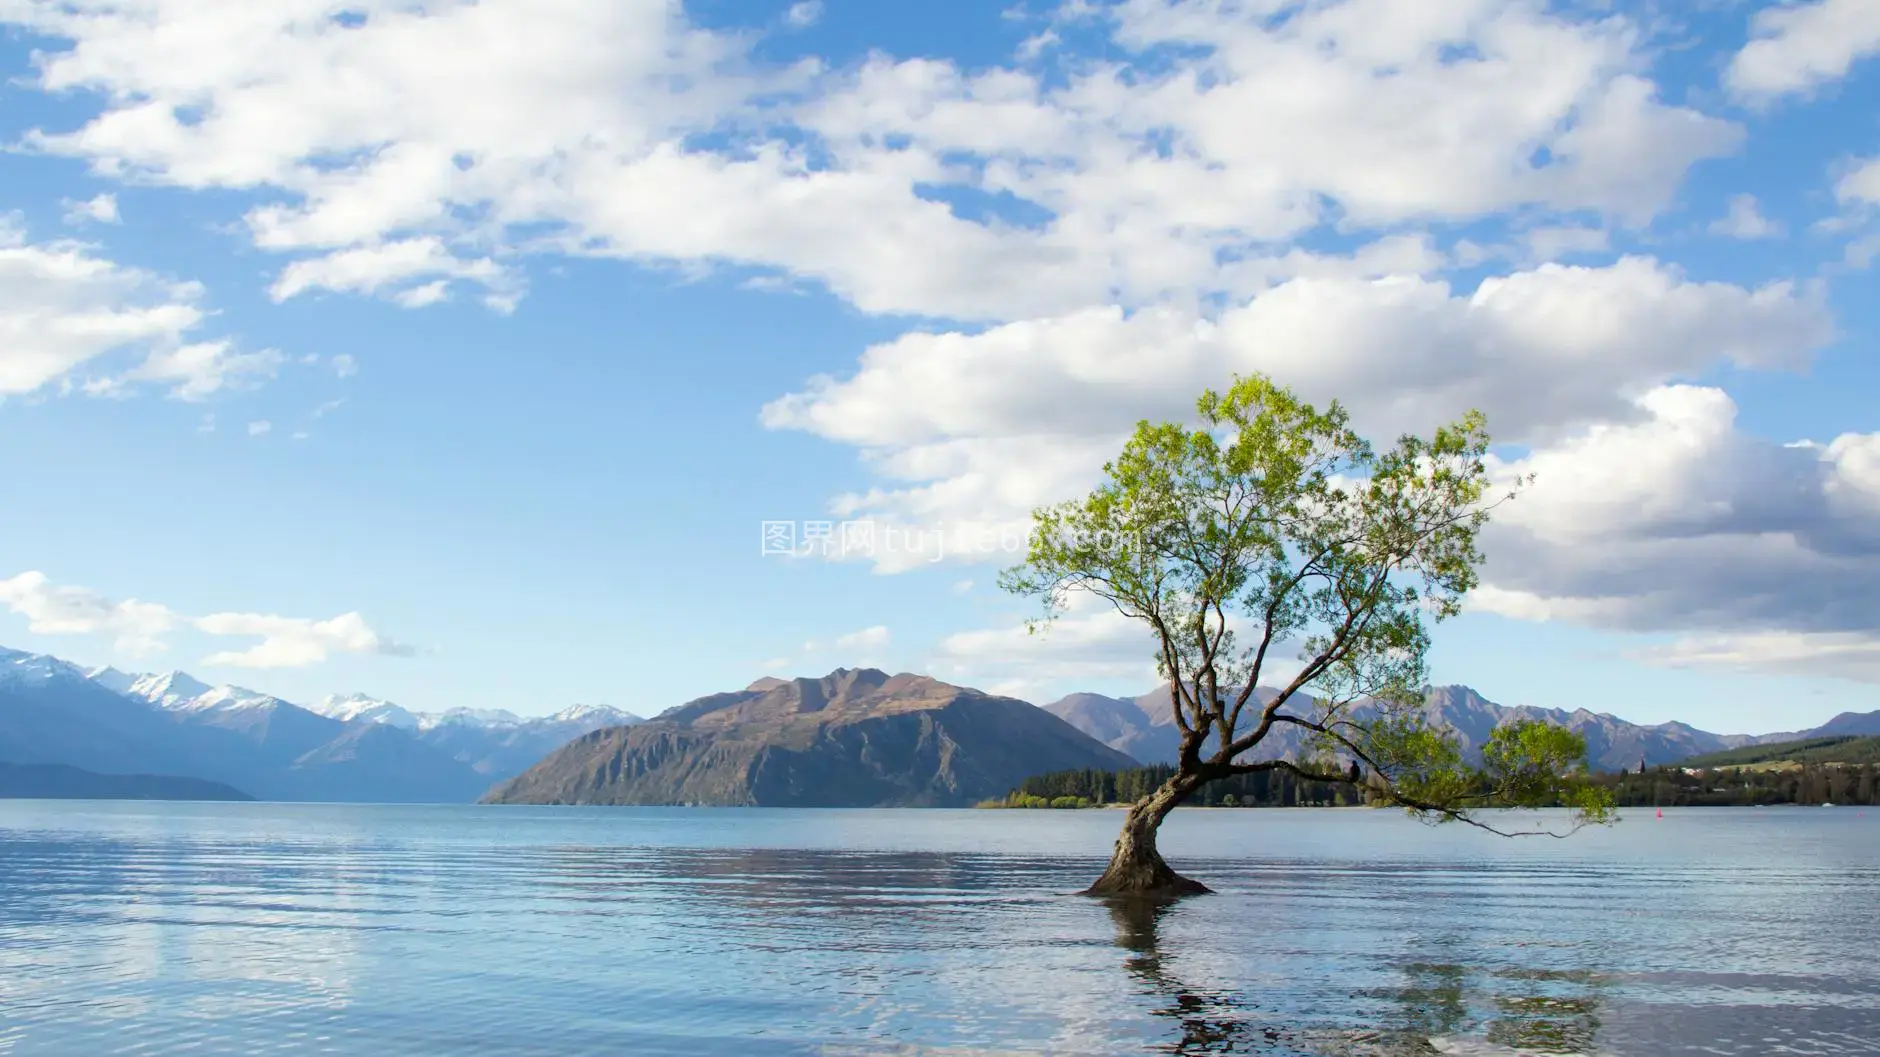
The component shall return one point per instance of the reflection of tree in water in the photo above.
(1537, 1011)
(1433, 1004)
(1211, 1021)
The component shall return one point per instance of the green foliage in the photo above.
(1275, 519)
(1022, 799)
(1524, 764)
(1275, 788)
(1597, 794)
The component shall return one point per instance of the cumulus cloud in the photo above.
(1861, 184)
(425, 145)
(803, 14)
(1755, 552)
(100, 209)
(1090, 644)
(396, 142)
(141, 628)
(293, 643)
(1093, 243)
(138, 627)
(970, 431)
(64, 309)
(871, 638)
(1858, 192)
(1744, 220)
(1796, 47)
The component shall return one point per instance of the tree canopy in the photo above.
(1271, 541)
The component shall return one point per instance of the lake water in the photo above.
(298, 929)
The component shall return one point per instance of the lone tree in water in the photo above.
(1272, 527)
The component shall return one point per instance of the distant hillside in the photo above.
(850, 739)
(1845, 748)
(1145, 728)
(56, 781)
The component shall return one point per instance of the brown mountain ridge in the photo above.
(853, 738)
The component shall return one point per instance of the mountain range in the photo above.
(1144, 727)
(351, 749)
(853, 738)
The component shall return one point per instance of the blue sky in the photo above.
(456, 355)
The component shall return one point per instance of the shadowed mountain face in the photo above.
(56, 781)
(854, 738)
(1145, 728)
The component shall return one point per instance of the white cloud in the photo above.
(256, 429)
(1845, 655)
(140, 628)
(970, 432)
(101, 209)
(396, 146)
(1795, 47)
(1091, 643)
(427, 148)
(207, 425)
(872, 638)
(344, 365)
(293, 643)
(63, 309)
(1680, 523)
(803, 14)
(1128, 226)
(1861, 184)
(198, 370)
(1745, 221)
(322, 410)
(1547, 244)
(1858, 192)
(392, 267)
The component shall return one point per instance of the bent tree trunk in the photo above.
(1136, 868)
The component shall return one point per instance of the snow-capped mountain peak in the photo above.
(483, 718)
(228, 698)
(33, 668)
(181, 692)
(168, 689)
(112, 679)
(596, 715)
(349, 708)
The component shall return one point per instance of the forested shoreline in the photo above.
(1667, 786)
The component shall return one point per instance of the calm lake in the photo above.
(295, 929)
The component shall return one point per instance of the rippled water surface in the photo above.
(272, 929)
